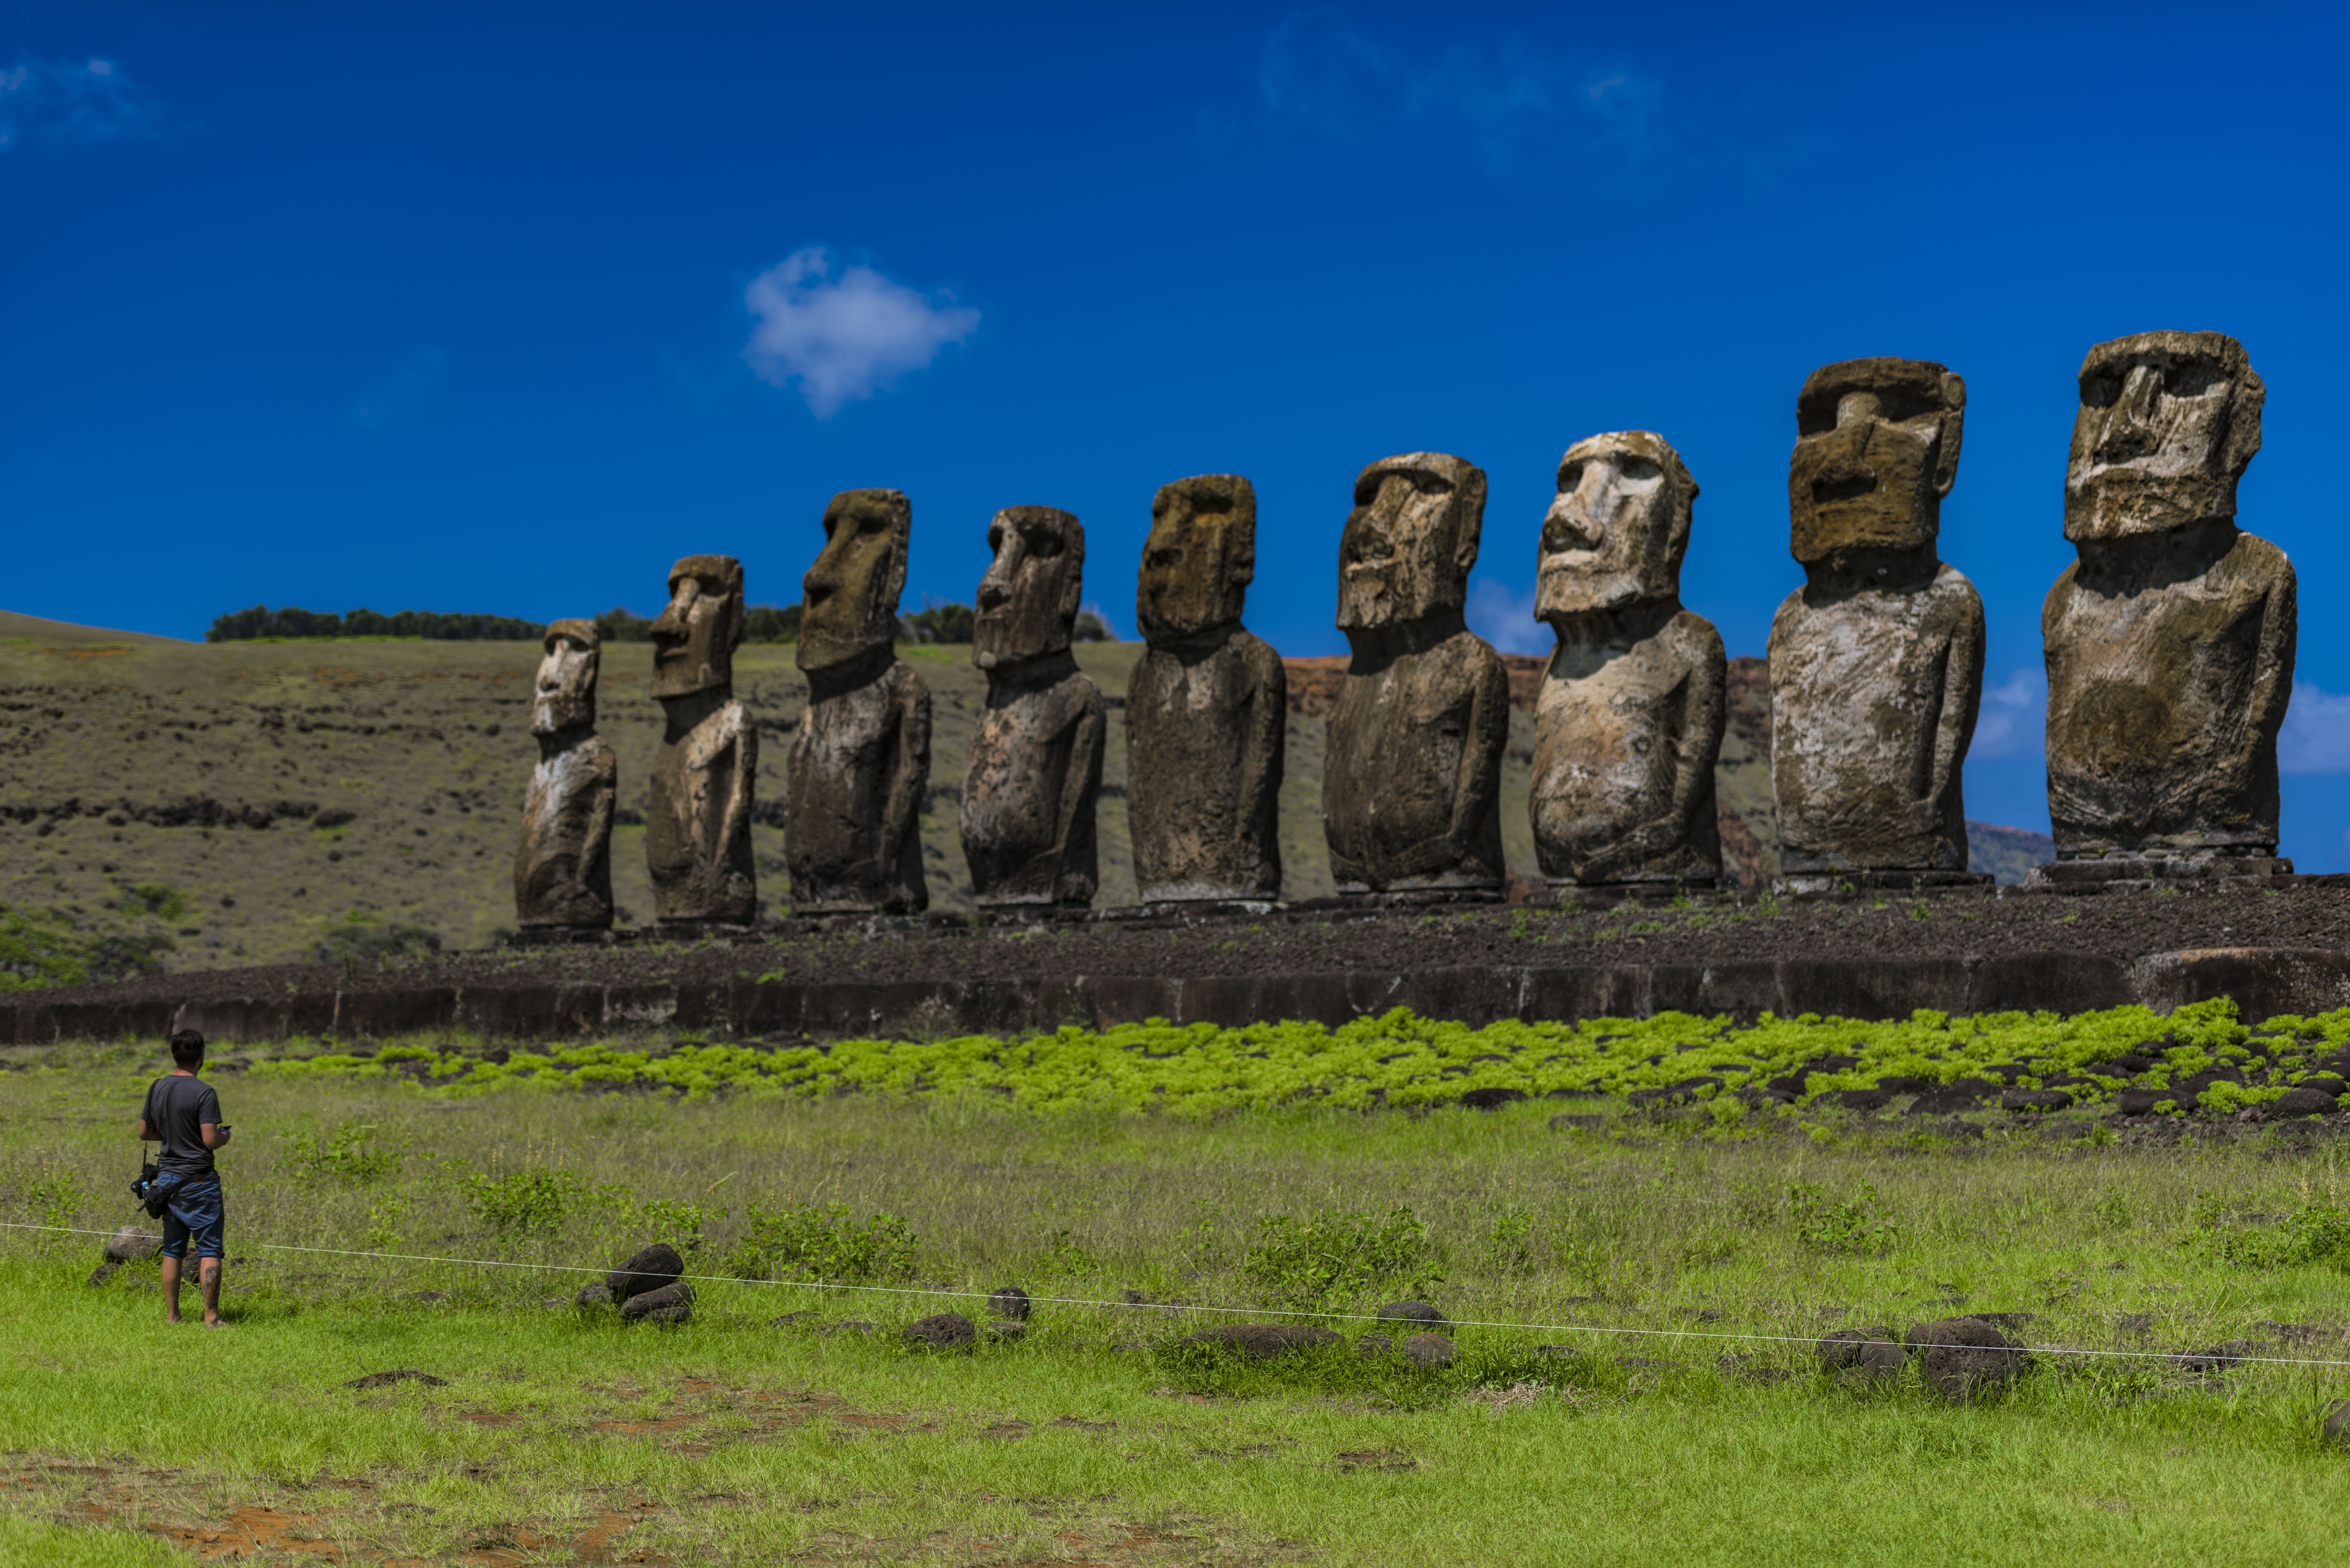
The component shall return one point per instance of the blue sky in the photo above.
(503, 308)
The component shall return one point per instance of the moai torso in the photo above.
(2170, 641)
(860, 762)
(1205, 723)
(1412, 768)
(1206, 708)
(1028, 795)
(1628, 721)
(563, 861)
(1035, 772)
(1872, 700)
(698, 802)
(1877, 661)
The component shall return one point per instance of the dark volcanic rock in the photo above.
(1259, 1340)
(1843, 1348)
(2336, 1426)
(2301, 1102)
(1411, 1311)
(940, 1331)
(2220, 1357)
(2034, 1100)
(1011, 1302)
(649, 1269)
(398, 1374)
(1490, 1099)
(1007, 1331)
(130, 1243)
(1427, 1350)
(1373, 1345)
(593, 1293)
(1966, 1358)
(673, 1302)
(2139, 1102)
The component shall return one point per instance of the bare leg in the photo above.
(211, 1275)
(170, 1290)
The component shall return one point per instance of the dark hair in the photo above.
(187, 1048)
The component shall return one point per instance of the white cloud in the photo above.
(58, 100)
(1505, 617)
(2316, 737)
(2014, 720)
(847, 337)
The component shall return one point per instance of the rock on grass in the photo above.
(1410, 1312)
(130, 1243)
(1261, 1340)
(1843, 1349)
(647, 1269)
(1427, 1350)
(1966, 1358)
(940, 1331)
(673, 1302)
(1010, 1303)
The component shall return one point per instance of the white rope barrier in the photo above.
(1237, 1312)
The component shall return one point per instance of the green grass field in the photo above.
(1668, 1237)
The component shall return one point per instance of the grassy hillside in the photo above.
(268, 797)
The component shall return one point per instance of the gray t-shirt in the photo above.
(177, 1108)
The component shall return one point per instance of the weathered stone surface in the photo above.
(1370, 1346)
(647, 1269)
(1965, 1357)
(1427, 1350)
(1207, 707)
(1410, 1312)
(1007, 1331)
(941, 1331)
(1628, 722)
(1877, 661)
(2170, 640)
(593, 1293)
(131, 1243)
(861, 756)
(1260, 1340)
(673, 1302)
(1035, 770)
(698, 807)
(2302, 1102)
(1853, 1347)
(1411, 776)
(562, 862)
(1009, 1301)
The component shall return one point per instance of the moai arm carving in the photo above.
(732, 739)
(2263, 717)
(910, 779)
(1264, 750)
(1479, 779)
(1703, 701)
(591, 878)
(1962, 668)
(1080, 785)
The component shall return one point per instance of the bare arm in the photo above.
(215, 1135)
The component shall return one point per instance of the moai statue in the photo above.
(2170, 641)
(1207, 710)
(697, 810)
(1877, 661)
(1629, 720)
(1036, 759)
(861, 758)
(562, 864)
(1412, 773)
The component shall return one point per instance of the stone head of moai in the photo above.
(2169, 422)
(1200, 556)
(695, 638)
(1408, 547)
(848, 600)
(1876, 448)
(1028, 599)
(1616, 532)
(565, 697)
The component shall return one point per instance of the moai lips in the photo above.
(2170, 642)
(698, 805)
(861, 756)
(1411, 778)
(1207, 706)
(563, 861)
(1628, 722)
(1877, 661)
(1035, 771)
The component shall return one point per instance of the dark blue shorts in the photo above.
(198, 1209)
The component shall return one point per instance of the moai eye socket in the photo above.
(2100, 390)
(1570, 479)
(1166, 558)
(1640, 473)
(1044, 544)
(2193, 379)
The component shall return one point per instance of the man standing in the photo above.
(184, 1114)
